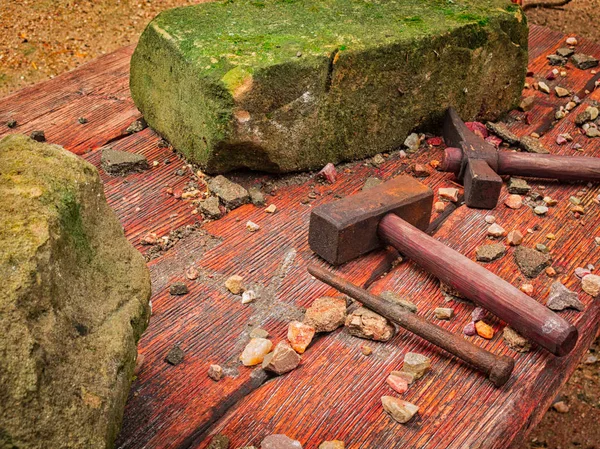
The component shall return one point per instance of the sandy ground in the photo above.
(40, 39)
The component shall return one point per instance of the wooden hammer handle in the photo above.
(564, 168)
(498, 369)
(524, 314)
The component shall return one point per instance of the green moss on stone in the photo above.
(285, 85)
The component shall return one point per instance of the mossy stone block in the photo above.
(285, 85)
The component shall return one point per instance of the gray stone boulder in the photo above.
(73, 304)
(281, 86)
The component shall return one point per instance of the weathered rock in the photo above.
(326, 314)
(396, 298)
(533, 145)
(526, 104)
(178, 288)
(335, 444)
(515, 341)
(514, 201)
(364, 323)
(258, 333)
(540, 210)
(232, 194)
(561, 407)
(443, 313)
(137, 126)
(257, 104)
(582, 117)
(401, 411)
(448, 193)
(439, 206)
(416, 364)
(495, 230)
(38, 135)
(561, 297)
(583, 62)
(300, 335)
(518, 186)
(408, 377)
(248, 296)
(215, 372)
(74, 301)
(219, 442)
(556, 60)
(397, 383)
(235, 284)
(252, 227)
(543, 87)
(280, 441)
(271, 209)
(488, 253)
(120, 163)
(282, 360)
(210, 207)
(502, 131)
(531, 262)
(255, 351)
(591, 284)
(450, 292)
(175, 356)
(412, 142)
(484, 330)
(561, 91)
(469, 329)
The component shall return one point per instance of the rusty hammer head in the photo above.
(346, 229)
(473, 160)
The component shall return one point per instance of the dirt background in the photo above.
(40, 39)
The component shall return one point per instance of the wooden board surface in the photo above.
(335, 392)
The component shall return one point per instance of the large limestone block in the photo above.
(73, 302)
(288, 85)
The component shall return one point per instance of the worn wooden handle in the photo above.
(527, 316)
(564, 168)
(498, 369)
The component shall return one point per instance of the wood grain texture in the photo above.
(335, 392)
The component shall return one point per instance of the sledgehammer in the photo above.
(394, 213)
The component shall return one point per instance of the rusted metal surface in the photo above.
(335, 392)
(478, 164)
(497, 368)
(343, 230)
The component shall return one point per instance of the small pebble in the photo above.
(490, 219)
(248, 296)
(192, 273)
(326, 314)
(469, 329)
(416, 364)
(581, 272)
(329, 173)
(527, 289)
(561, 91)
(401, 411)
(178, 289)
(334, 444)
(561, 407)
(82, 120)
(279, 441)
(542, 248)
(448, 193)
(300, 335)
(478, 314)
(515, 341)
(484, 330)
(591, 284)
(495, 230)
(11, 124)
(514, 238)
(235, 284)
(550, 236)
(549, 201)
(514, 201)
(38, 136)
(488, 253)
(282, 360)
(543, 87)
(215, 372)
(443, 313)
(366, 349)
(219, 442)
(439, 206)
(398, 384)
(255, 351)
(518, 186)
(550, 272)
(412, 142)
(571, 41)
(175, 356)
(271, 209)
(560, 298)
(364, 323)
(251, 226)
(540, 210)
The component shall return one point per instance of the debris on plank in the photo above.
(329, 173)
(279, 441)
(584, 62)
(256, 196)
(251, 226)
(326, 314)
(231, 194)
(412, 142)
(397, 299)
(531, 262)
(514, 201)
(334, 444)
(136, 126)
(495, 230)
(469, 329)
(235, 284)
(484, 330)
(515, 341)
(178, 289)
(248, 296)
(175, 356)
(489, 253)
(282, 360)
(448, 193)
(215, 372)
(443, 313)
(401, 411)
(502, 131)
(364, 323)
(397, 383)
(416, 364)
(561, 298)
(591, 284)
(255, 351)
(300, 335)
(518, 186)
(38, 135)
(514, 237)
(121, 163)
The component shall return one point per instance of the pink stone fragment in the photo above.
(397, 383)
(478, 314)
(494, 140)
(478, 128)
(581, 272)
(329, 173)
(561, 140)
(470, 329)
(435, 141)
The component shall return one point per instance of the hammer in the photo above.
(497, 368)
(478, 164)
(394, 213)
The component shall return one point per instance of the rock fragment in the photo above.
(11, 124)
(256, 196)
(439, 206)
(488, 253)
(38, 136)
(514, 201)
(255, 351)
(565, 52)
(469, 329)
(248, 296)
(396, 298)
(329, 173)
(300, 335)
(280, 441)
(178, 289)
(408, 377)
(502, 131)
(215, 372)
(258, 332)
(175, 356)
(231, 194)
(556, 60)
(326, 314)
(515, 341)
(561, 298)
(416, 364)
(137, 126)
(282, 360)
(484, 330)
(533, 145)
(531, 262)
(235, 284)
(561, 91)
(449, 193)
(526, 104)
(121, 163)
(561, 407)
(397, 383)
(518, 186)
(571, 40)
(540, 210)
(371, 182)
(495, 230)
(412, 142)
(364, 323)
(366, 349)
(591, 284)
(271, 209)
(210, 207)
(401, 411)
(543, 87)
(443, 313)
(583, 62)
(478, 314)
(252, 227)
(514, 238)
